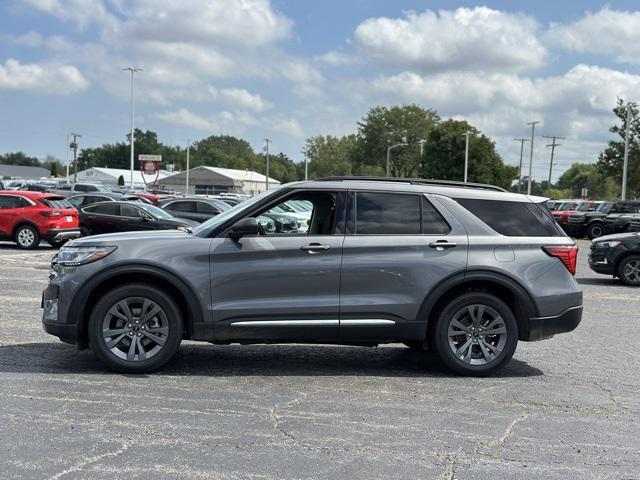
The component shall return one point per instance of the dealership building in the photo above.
(109, 177)
(210, 180)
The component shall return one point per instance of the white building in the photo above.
(209, 180)
(109, 177)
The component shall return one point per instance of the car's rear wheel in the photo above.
(475, 334)
(629, 270)
(27, 237)
(135, 328)
(595, 230)
(84, 231)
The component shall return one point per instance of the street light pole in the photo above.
(132, 140)
(67, 158)
(626, 153)
(266, 149)
(74, 147)
(533, 130)
(467, 134)
(391, 147)
(186, 186)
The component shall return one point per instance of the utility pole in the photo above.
(74, 146)
(626, 153)
(186, 187)
(67, 149)
(521, 140)
(132, 140)
(266, 149)
(533, 134)
(306, 168)
(553, 146)
(467, 134)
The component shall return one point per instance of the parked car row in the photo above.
(593, 219)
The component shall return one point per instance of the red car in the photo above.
(152, 198)
(27, 217)
(567, 208)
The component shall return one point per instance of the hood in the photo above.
(144, 236)
(616, 236)
(181, 221)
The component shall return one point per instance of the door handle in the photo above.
(442, 245)
(315, 248)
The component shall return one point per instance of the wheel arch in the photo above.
(150, 274)
(508, 289)
(23, 223)
(622, 257)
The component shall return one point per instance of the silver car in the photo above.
(464, 270)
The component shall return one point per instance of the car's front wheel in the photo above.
(595, 230)
(475, 334)
(629, 270)
(135, 328)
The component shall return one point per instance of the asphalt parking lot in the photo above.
(565, 408)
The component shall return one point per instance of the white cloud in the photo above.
(50, 79)
(240, 98)
(186, 118)
(81, 12)
(607, 32)
(336, 59)
(463, 39)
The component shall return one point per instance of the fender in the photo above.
(186, 289)
(460, 278)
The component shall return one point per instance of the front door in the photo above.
(398, 247)
(284, 284)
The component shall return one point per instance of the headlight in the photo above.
(75, 256)
(610, 244)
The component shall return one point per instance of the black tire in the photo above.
(103, 320)
(84, 231)
(57, 244)
(629, 270)
(500, 348)
(26, 237)
(595, 230)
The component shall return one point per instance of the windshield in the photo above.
(567, 206)
(583, 207)
(219, 219)
(155, 211)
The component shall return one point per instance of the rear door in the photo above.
(398, 247)
(101, 218)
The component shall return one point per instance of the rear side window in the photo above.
(387, 214)
(105, 209)
(182, 207)
(514, 219)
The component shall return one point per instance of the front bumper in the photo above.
(67, 332)
(546, 327)
(60, 234)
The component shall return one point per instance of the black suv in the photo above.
(621, 215)
(617, 255)
(590, 223)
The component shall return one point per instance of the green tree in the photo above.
(330, 156)
(611, 159)
(19, 158)
(445, 151)
(382, 127)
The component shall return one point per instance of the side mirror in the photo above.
(244, 227)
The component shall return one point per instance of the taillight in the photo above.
(50, 213)
(568, 254)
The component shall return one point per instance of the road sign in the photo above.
(149, 158)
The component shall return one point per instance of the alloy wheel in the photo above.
(631, 271)
(477, 334)
(135, 329)
(26, 237)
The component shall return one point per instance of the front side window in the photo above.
(320, 220)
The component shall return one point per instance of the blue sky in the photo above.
(288, 69)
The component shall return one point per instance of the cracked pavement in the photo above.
(563, 408)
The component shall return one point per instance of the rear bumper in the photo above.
(60, 234)
(546, 327)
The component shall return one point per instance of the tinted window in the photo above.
(131, 211)
(514, 219)
(77, 201)
(204, 207)
(57, 203)
(182, 207)
(81, 188)
(432, 221)
(387, 214)
(105, 209)
(626, 208)
(7, 202)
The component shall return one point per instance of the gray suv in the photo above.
(464, 270)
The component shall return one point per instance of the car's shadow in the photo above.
(251, 360)
(607, 281)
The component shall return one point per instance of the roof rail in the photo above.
(415, 181)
